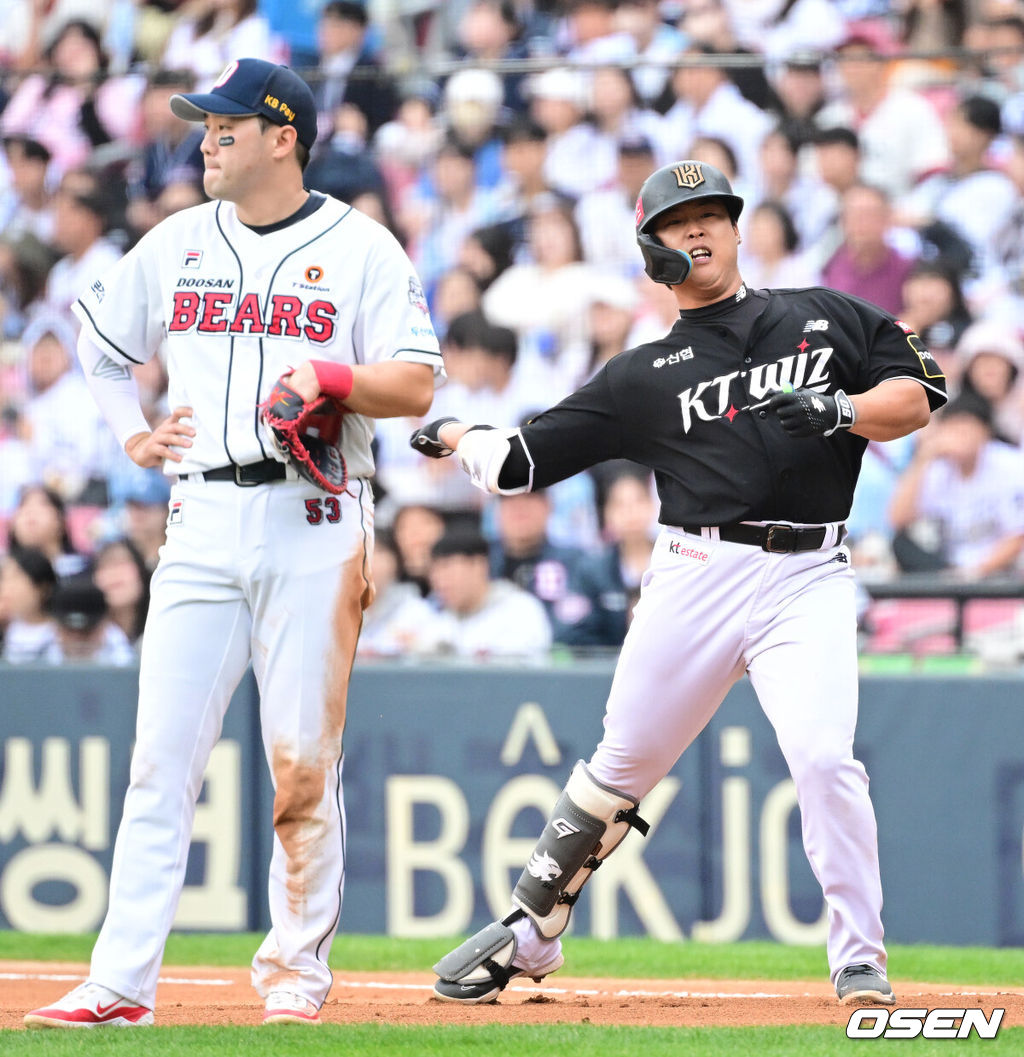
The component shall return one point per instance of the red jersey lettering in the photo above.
(214, 304)
(185, 310)
(248, 319)
(284, 312)
(320, 317)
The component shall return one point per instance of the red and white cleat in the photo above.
(286, 1007)
(91, 1006)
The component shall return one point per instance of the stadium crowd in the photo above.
(878, 144)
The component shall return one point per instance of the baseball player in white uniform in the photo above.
(266, 281)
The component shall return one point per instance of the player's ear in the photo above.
(285, 139)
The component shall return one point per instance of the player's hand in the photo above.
(427, 439)
(805, 413)
(150, 449)
(304, 381)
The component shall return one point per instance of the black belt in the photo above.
(784, 539)
(246, 476)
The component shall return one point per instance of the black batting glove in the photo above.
(805, 413)
(427, 439)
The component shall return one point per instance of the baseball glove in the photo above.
(306, 434)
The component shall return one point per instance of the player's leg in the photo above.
(681, 655)
(195, 650)
(803, 666)
(308, 600)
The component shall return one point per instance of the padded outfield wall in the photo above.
(450, 771)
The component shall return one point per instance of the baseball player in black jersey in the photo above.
(753, 412)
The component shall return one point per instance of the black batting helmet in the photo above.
(671, 185)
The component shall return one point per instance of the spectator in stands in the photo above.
(618, 114)
(614, 302)
(609, 581)
(771, 248)
(934, 307)
(26, 207)
(71, 451)
(85, 634)
(457, 292)
(554, 283)
(800, 87)
(83, 210)
(900, 134)
(343, 166)
(487, 252)
(350, 71)
(168, 152)
(836, 158)
(865, 264)
(72, 108)
(959, 506)
(781, 26)
(479, 617)
(578, 159)
(523, 160)
(991, 359)
(523, 554)
(593, 33)
(40, 521)
(399, 618)
(438, 223)
(409, 142)
(416, 528)
(120, 572)
(211, 33)
(607, 217)
(809, 201)
(952, 197)
(25, 264)
(708, 103)
(145, 515)
(1009, 243)
(653, 39)
(490, 31)
(472, 109)
(27, 584)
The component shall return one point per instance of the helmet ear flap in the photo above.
(662, 264)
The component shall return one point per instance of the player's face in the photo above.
(234, 169)
(705, 231)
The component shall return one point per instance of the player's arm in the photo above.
(891, 409)
(390, 389)
(116, 393)
(584, 429)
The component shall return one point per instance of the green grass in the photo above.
(584, 957)
(372, 1040)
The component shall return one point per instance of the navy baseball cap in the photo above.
(248, 87)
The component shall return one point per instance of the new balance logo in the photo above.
(564, 828)
(815, 324)
(543, 867)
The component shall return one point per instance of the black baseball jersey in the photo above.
(682, 407)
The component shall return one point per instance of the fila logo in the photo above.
(192, 259)
(815, 324)
(177, 511)
(564, 828)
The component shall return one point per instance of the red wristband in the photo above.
(335, 379)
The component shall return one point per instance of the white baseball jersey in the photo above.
(230, 310)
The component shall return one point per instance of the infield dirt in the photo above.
(202, 995)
